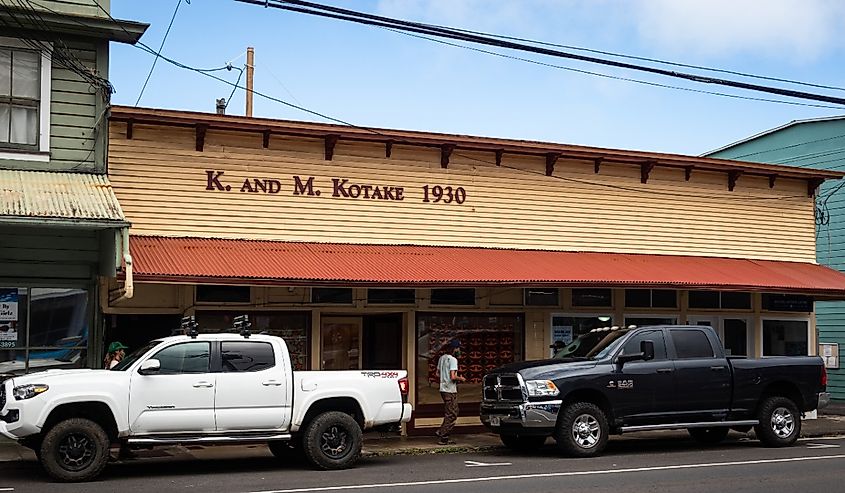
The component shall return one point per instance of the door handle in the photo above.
(717, 368)
(664, 370)
(269, 383)
(203, 385)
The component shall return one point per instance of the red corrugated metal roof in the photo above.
(262, 262)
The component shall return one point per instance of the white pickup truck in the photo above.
(209, 388)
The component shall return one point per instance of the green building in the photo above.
(60, 224)
(816, 143)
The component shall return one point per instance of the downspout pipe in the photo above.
(128, 283)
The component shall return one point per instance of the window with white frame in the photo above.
(24, 98)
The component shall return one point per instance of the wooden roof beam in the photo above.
(266, 142)
(772, 179)
(688, 172)
(388, 148)
(331, 142)
(445, 154)
(733, 176)
(129, 130)
(201, 129)
(645, 170)
(499, 154)
(597, 164)
(551, 160)
(813, 185)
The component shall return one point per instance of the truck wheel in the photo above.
(333, 440)
(710, 436)
(582, 430)
(288, 451)
(523, 443)
(75, 450)
(780, 422)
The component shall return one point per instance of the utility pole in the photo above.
(250, 72)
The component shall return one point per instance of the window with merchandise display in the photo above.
(487, 342)
(293, 327)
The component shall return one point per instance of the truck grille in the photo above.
(502, 387)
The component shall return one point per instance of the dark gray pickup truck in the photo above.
(650, 378)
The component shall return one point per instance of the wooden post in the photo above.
(250, 72)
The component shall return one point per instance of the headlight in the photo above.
(29, 391)
(541, 388)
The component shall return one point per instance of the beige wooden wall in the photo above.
(160, 181)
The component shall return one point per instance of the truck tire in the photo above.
(582, 430)
(523, 443)
(780, 422)
(74, 450)
(332, 440)
(709, 436)
(288, 451)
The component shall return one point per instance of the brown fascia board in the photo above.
(214, 121)
(71, 25)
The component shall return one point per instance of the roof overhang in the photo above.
(251, 262)
(448, 142)
(81, 200)
(21, 23)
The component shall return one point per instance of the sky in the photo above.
(371, 77)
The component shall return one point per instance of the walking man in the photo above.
(447, 366)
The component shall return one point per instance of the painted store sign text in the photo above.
(339, 187)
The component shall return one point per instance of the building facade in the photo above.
(373, 249)
(817, 143)
(61, 224)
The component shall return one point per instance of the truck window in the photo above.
(692, 344)
(656, 336)
(247, 356)
(189, 357)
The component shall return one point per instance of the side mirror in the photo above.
(150, 367)
(647, 348)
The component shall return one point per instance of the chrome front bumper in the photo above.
(824, 400)
(497, 416)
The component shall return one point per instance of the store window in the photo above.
(729, 300)
(600, 298)
(391, 296)
(644, 320)
(213, 293)
(786, 337)
(541, 297)
(293, 327)
(651, 298)
(787, 303)
(340, 296)
(567, 328)
(487, 342)
(506, 297)
(43, 328)
(453, 297)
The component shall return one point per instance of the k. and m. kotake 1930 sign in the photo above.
(340, 188)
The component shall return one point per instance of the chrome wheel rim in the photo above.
(335, 442)
(783, 422)
(76, 451)
(586, 431)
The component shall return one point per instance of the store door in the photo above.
(732, 331)
(382, 342)
(340, 343)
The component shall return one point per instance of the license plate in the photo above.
(495, 421)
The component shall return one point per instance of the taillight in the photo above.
(403, 385)
(824, 378)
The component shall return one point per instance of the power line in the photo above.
(381, 21)
(161, 47)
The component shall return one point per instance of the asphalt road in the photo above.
(631, 466)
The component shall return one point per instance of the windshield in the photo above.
(127, 361)
(607, 345)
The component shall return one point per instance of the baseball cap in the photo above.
(455, 343)
(557, 344)
(116, 346)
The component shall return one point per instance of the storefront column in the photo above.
(410, 358)
(757, 324)
(316, 364)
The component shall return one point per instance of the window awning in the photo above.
(230, 261)
(40, 197)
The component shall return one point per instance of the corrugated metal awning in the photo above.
(39, 196)
(209, 260)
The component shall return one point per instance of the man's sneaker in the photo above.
(445, 441)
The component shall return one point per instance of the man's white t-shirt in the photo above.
(445, 365)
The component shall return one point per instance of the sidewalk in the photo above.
(831, 423)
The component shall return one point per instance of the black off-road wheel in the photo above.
(75, 450)
(523, 443)
(780, 422)
(582, 430)
(333, 440)
(708, 436)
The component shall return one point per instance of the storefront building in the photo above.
(375, 248)
(60, 224)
